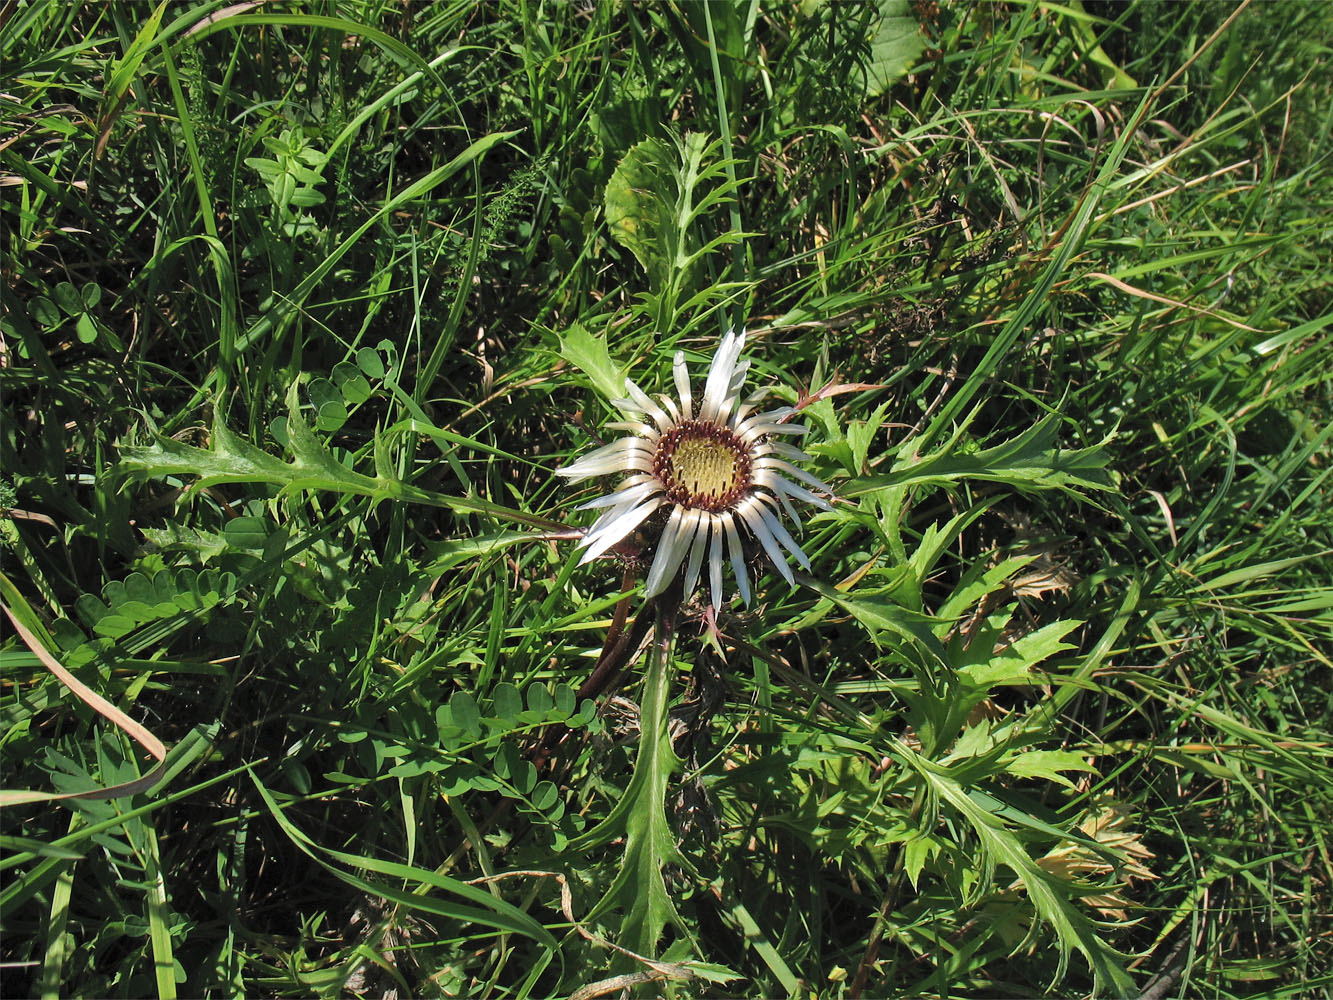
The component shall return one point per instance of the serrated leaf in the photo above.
(232, 459)
(878, 613)
(639, 887)
(1013, 664)
(710, 972)
(590, 355)
(860, 434)
(916, 852)
(484, 908)
(1050, 895)
(978, 582)
(1048, 764)
(447, 554)
(207, 544)
(1028, 462)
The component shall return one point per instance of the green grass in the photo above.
(303, 306)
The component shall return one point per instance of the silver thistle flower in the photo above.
(717, 472)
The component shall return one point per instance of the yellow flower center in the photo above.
(702, 465)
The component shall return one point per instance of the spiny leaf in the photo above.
(232, 459)
(653, 201)
(1048, 764)
(880, 614)
(1028, 462)
(1050, 896)
(639, 887)
(589, 354)
(1013, 664)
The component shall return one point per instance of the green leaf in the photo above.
(506, 700)
(295, 299)
(860, 433)
(124, 69)
(640, 206)
(539, 699)
(915, 854)
(369, 361)
(978, 581)
(454, 552)
(247, 532)
(545, 795)
(1050, 896)
(68, 298)
(654, 200)
(44, 311)
(114, 626)
(640, 814)
(764, 948)
(206, 544)
(878, 613)
(894, 47)
(268, 169)
(524, 776)
(1048, 764)
(485, 909)
(232, 459)
(1013, 664)
(331, 415)
(351, 383)
(464, 712)
(565, 702)
(589, 354)
(85, 328)
(1029, 462)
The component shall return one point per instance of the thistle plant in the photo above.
(716, 473)
(300, 399)
(699, 479)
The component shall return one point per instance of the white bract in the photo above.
(718, 472)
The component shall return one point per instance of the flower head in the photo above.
(717, 472)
